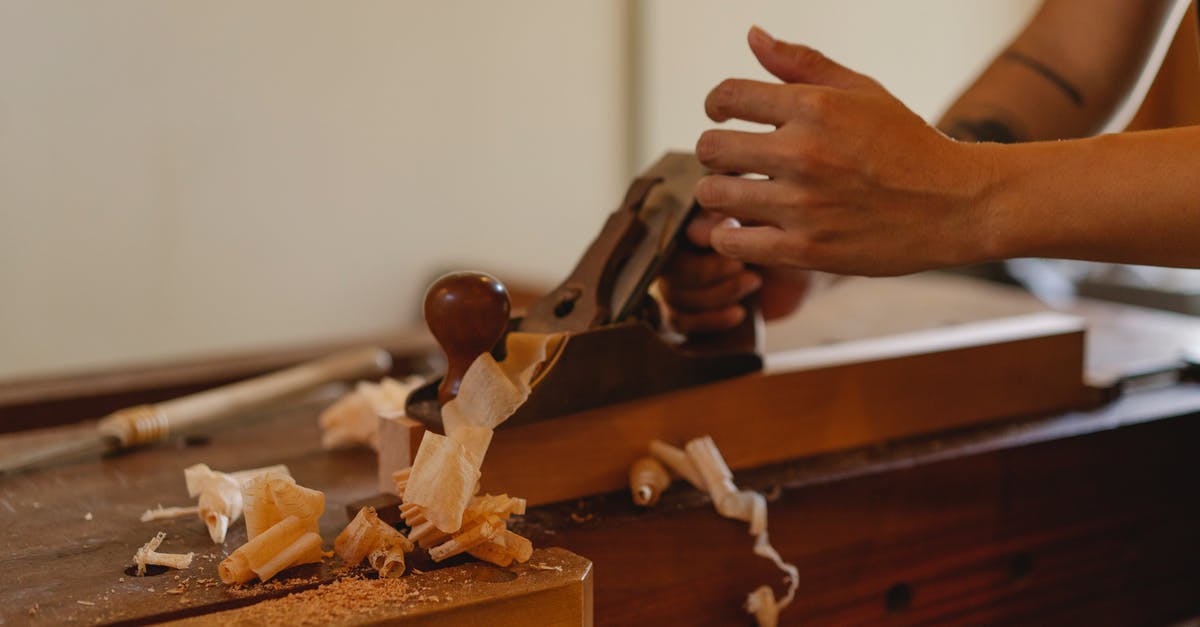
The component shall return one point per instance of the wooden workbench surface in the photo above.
(70, 532)
(1082, 517)
(61, 563)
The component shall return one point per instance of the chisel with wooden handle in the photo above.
(146, 424)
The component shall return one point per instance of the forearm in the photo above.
(1080, 67)
(1126, 198)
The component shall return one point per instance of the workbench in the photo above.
(1088, 517)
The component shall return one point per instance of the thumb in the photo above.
(796, 63)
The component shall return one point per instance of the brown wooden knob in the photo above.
(467, 312)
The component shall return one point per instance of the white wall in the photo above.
(205, 175)
(924, 51)
(199, 176)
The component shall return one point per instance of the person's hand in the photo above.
(703, 290)
(855, 183)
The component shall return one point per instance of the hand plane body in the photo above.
(614, 347)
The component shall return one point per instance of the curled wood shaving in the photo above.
(439, 490)
(703, 466)
(366, 536)
(353, 420)
(164, 513)
(147, 555)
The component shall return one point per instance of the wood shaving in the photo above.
(368, 537)
(164, 513)
(220, 495)
(287, 543)
(701, 464)
(354, 419)
(269, 498)
(147, 555)
(439, 491)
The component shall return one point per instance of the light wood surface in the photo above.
(867, 362)
(554, 588)
(856, 309)
(762, 419)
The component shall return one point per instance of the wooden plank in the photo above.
(767, 418)
(1097, 509)
(1094, 529)
(554, 588)
(857, 308)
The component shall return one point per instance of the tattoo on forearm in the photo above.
(983, 130)
(1046, 72)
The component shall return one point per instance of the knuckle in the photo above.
(708, 146)
(723, 96)
(710, 193)
(806, 56)
(817, 102)
(800, 155)
(797, 250)
(799, 198)
(729, 246)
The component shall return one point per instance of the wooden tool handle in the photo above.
(467, 312)
(151, 423)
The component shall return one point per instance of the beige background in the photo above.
(201, 176)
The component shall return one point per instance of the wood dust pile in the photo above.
(343, 601)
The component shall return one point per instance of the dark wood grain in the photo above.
(1078, 518)
(1095, 529)
(1084, 518)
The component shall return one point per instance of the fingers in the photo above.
(704, 289)
(723, 294)
(700, 228)
(739, 151)
(783, 290)
(749, 200)
(753, 101)
(765, 245)
(795, 63)
(708, 321)
(689, 270)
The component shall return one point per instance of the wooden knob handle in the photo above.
(467, 312)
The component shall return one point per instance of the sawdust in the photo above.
(251, 589)
(341, 601)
